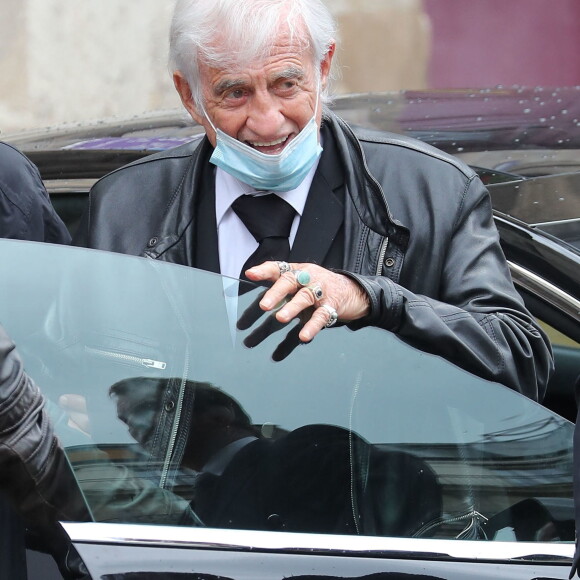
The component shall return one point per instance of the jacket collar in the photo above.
(366, 212)
(365, 193)
(373, 236)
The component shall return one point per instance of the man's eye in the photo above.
(286, 86)
(236, 94)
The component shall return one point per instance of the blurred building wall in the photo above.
(484, 43)
(70, 61)
(384, 44)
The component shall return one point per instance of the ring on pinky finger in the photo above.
(332, 315)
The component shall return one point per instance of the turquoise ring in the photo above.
(302, 277)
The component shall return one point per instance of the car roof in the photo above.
(507, 135)
(456, 120)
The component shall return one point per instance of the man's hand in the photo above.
(75, 407)
(338, 292)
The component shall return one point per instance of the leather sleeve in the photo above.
(478, 320)
(34, 472)
(26, 212)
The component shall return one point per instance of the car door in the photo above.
(539, 220)
(354, 456)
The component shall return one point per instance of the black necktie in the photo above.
(269, 219)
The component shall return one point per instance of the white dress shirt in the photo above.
(235, 243)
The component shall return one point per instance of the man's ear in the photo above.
(326, 64)
(184, 90)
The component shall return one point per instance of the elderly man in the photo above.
(374, 229)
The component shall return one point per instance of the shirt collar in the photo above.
(228, 188)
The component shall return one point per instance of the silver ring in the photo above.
(316, 291)
(302, 277)
(283, 267)
(332, 315)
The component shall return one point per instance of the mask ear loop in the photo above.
(208, 119)
(317, 96)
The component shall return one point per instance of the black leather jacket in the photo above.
(34, 472)
(25, 209)
(418, 236)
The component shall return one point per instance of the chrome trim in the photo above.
(563, 222)
(59, 186)
(546, 290)
(353, 546)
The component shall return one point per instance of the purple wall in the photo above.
(484, 43)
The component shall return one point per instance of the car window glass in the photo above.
(167, 418)
(551, 203)
(560, 395)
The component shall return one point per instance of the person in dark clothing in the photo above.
(317, 478)
(34, 472)
(26, 212)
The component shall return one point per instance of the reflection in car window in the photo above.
(355, 433)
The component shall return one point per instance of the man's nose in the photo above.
(265, 116)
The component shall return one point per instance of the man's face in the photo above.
(139, 409)
(264, 105)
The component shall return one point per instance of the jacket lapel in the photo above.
(321, 222)
(206, 253)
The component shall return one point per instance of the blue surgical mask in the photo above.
(281, 172)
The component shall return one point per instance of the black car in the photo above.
(389, 462)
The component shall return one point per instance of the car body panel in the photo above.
(248, 555)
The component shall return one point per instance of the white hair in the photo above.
(232, 33)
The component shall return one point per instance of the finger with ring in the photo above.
(332, 315)
(302, 277)
(283, 267)
(316, 291)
